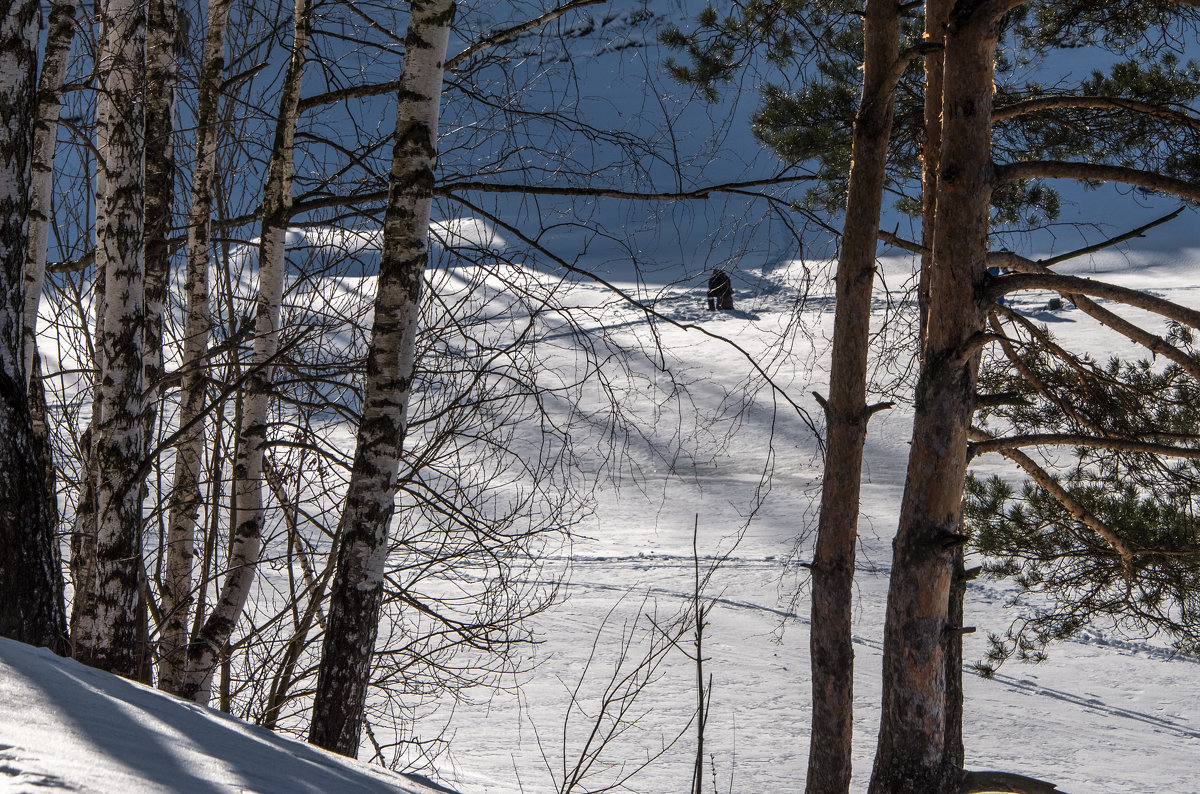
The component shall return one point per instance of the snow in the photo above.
(1077, 719)
(1103, 714)
(66, 727)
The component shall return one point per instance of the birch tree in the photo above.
(184, 505)
(106, 635)
(246, 532)
(357, 588)
(60, 32)
(31, 610)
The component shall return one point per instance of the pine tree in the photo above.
(911, 753)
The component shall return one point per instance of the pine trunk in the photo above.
(846, 415)
(107, 635)
(357, 592)
(31, 608)
(954, 751)
(184, 503)
(937, 16)
(910, 753)
(204, 650)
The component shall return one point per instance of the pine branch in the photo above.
(1097, 172)
(1064, 498)
(1175, 117)
(1031, 377)
(891, 238)
(1110, 242)
(1076, 285)
(1135, 333)
(1114, 443)
(1152, 342)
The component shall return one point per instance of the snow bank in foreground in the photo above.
(67, 727)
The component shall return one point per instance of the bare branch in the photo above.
(650, 311)
(453, 64)
(589, 192)
(508, 34)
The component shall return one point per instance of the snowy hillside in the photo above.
(684, 463)
(1104, 714)
(1077, 720)
(66, 727)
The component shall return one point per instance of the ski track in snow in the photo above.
(1010, 681)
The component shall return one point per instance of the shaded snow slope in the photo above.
(66, 727)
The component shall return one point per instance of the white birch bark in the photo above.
(184, 505)
(357, 591)
(204, 649)
(59, 35)
(106, 635)
(30, 607)
(162, 76)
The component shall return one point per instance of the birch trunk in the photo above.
(31, 608)
(204, 650)
(910, 753)
(846, 414)
(357, 591)
(59, 35)
(161, 79)
(184, 503)
(107, 632)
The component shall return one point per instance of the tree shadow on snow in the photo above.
(144, 729)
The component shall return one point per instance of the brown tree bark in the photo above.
(846, 414)
(937, 17)
(954, 751)
(910, 752)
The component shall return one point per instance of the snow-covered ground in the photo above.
(66, 727)
(1104, 714)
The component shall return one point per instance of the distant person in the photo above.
(720, 291)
